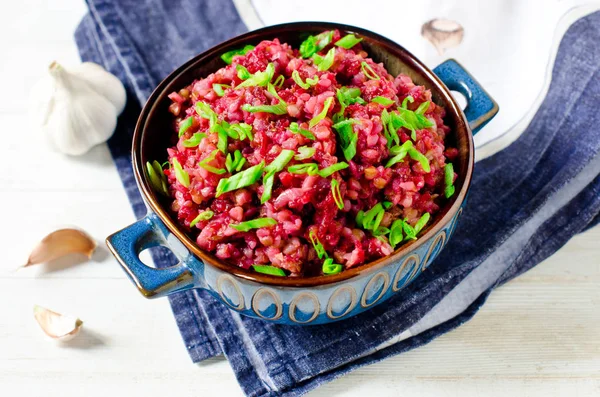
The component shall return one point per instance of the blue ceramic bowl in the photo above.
(312, 300)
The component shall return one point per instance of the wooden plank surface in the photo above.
(537, 336)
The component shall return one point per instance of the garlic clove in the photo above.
(104, 83)
(443, 33)
(57, 326)
(61, 243)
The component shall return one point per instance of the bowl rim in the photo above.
(411, 61)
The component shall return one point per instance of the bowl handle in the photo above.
(481, 107)
(126, 246)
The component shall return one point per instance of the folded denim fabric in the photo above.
(525, 203)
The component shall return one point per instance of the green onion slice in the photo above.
(317, 244)
(306, 85)
(203, 216)
(326, 105)
(243, 130)
(205, 163)
(204, 110)
(218, 89)
(240, 180)
(279, 81)
(316, 43)
(325, 172)
(422, 108)
(324, 63)
(254, 224)
(400, 153)
(347, 96)
(449, 180)
(228, 56)
(180, 174)
(396, 233)
(368, 71)
(157, 177)
(409, 231)
(194, 140)
(242, 72)
(274, 109)
(348, 138)
(222, 142)
(335, 192)
(270, 270)
(329, 268)
(235, 162)
(422, 222)
(275, 166)
(305, 152)
(308, 168)
(348, 41)
(258, 79)
(406, 100)
(383, 101)
(185, 125)
(297, 130)
(420, 157)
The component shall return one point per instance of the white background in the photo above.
(536, 336)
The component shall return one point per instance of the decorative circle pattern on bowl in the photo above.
(305, 314)
(263, 302)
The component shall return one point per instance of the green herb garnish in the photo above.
(409, 231)
(422, 222)
(329, 268)
(254, 224)
(326, 105)
(218, 88)
(420, 157)
(324, 63)
(203, 216)
(158, 180)
(240, 180)
(275, 166)
(222, 142)
(306, 85)
(325, 172)
(242, 72)
(383, 101)
(449, 180)
(317, 244)
(274, 109)
(347, 96)
(235, 162)
(258, 79)
(205, 163)
(305, 152)
(406, 101)
(297, 130)
(423, 108)
(335, 192)
(185, 125)
(368, 71)
(348, 41)
(271, 270)
(400, 153)
(180, 174)
(279, 81)
(348, 138)
(308, 168)
(204, 110)
(194, 140)
(243, 130)
(228, 56)
(396, 233)
(314, 44)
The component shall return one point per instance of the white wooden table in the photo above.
(537, 336)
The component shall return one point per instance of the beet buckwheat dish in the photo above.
(305, 162)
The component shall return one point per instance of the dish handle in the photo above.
(481, 107)
(126, 246)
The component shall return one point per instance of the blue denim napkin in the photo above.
(525, 202)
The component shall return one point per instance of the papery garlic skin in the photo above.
(55, 325)
(79, 107)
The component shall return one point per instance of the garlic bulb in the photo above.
(78, 107)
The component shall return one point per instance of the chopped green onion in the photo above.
(335, 192)
(226, 127)
(360, 218)
(368, 71)
(388, 129)
(242, 72)
(306, 85)
(409, 231)
(275, 109)
(218, 89)
(396, 233)
(205, 163)
(157, 177)
(314, 44)
(406, 100)
(297, 130)
(383, 101)
(180, 174)
(270, 270)
(400, 153)
(194, 140)
(279, 81)
(348, 138)
(258, 79)
(204, 110)
(420, 157)
(222, 142)
(275, 166)
(449, 180)
(243, 130)
(309, 168)
(371, 219)
(254, 224)
(348, 41)
(347, 96)
(203, 216)
(235, 162)
(166, 165)
(228, 56)
(422, 222)
(381, 231)
(305, 152)
(317, 244)
(240, 180)
(325, 172)
(326, 105)
(324, 63)
(387, 204)
(185, 125)
(422, 108)
(329, 268)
